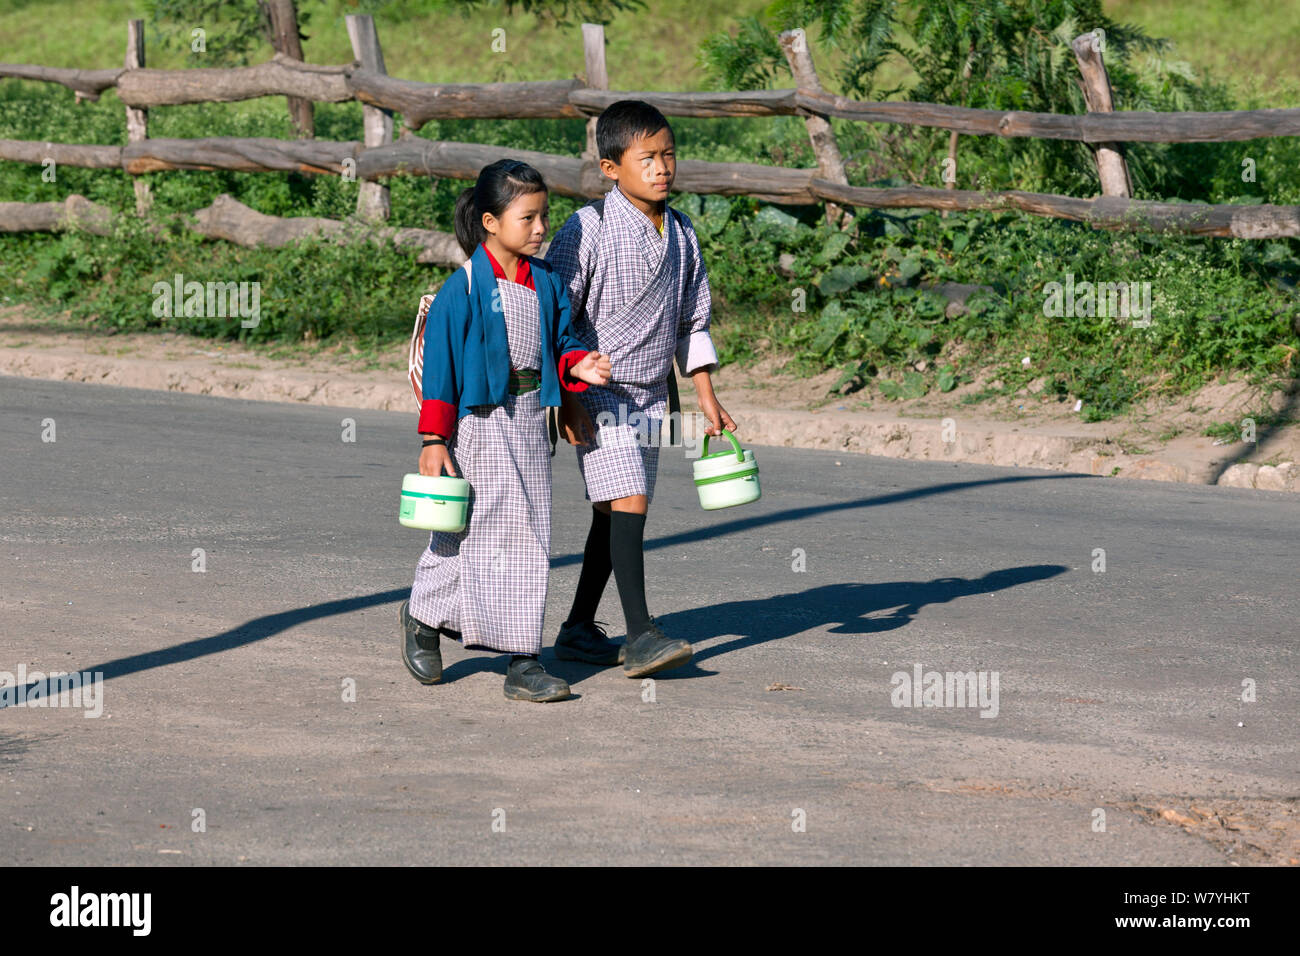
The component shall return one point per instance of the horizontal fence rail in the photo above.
(569, 99)
(380, 157)
(229, 219)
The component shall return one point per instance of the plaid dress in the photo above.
(489, 581)
(642, 298)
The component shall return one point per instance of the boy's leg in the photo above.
(649, 649)
(619, 471)
(580, 637)
(627, 557)
(596, 568)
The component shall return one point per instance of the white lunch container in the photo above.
(726, 478)
(434, 503)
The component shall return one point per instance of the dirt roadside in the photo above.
(1159, 440)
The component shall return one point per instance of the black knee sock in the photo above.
(596, 568)
(516, 658)
(626, 536)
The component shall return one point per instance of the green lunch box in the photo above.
(726, 478)
(434, 503)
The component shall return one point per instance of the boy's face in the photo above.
(522, 226)
(647, 168)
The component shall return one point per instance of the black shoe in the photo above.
(652, 651)
(526, 679)
(420, 648)
(587, 641)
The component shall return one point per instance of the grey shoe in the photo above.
(587, 641)
(527, 680)
(421, 652)
(652, 651)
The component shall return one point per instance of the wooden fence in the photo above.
(378, 156)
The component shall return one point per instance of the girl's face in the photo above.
(522, 226)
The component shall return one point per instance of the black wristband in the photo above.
(433, 441)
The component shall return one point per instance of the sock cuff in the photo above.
(627, 518)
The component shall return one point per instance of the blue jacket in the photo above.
(467, 353)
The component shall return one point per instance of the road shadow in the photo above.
(837, 608)
(250, 632)
(268, 625)
(760, 519)
(846, 607)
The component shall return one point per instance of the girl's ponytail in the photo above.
(498, 185)
(468, 222)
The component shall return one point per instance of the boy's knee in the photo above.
(636, 504)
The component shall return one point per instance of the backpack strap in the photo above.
(415, 351)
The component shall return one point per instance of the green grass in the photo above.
(648, 49)
(1250, 44)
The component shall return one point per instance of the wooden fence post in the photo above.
(373, 201)
(1111, 167)
(137, 121)
(952, 138)
(794, 44)
(593, 53)
(285, 40)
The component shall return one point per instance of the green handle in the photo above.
(740, 454)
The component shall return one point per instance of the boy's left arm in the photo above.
(696, 356)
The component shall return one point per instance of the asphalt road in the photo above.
(224, 691)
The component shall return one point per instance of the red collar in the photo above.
(523, 274)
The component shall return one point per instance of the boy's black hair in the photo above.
(498, 185)
(623, 122)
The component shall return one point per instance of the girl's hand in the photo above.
(716, 414)
(575, 421)
(434, 459)
(593, 369)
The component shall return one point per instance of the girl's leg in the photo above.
(526, 679)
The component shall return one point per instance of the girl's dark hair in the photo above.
(499, 184)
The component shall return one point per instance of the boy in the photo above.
(638, 292)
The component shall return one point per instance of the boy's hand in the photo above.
(575, 421)
(593, 369)
(434, 459)
(709, 404)
(716, 414)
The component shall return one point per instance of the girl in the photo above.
(497, 350)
